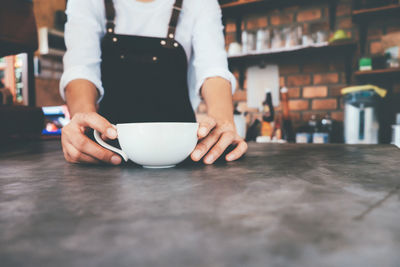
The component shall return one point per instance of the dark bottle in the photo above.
(268, 115)
(326, 124)
(313, 124)
(268, 112)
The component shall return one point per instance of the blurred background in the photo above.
(308, 71)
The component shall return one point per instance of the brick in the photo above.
(281, 19)
(282, 82)
(345, 23)
(375, 48)
(254, 23)
(343, 10)
(324, 104)
(298, 80)
(315, 91)
(298, 104)
(230, 27)
(307, 15)
(338, 115)
(336, 90)
(326, 78)
(289, 68)
(294, 92)
(263, 22)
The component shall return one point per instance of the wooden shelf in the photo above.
(379, 72)
(254, 59)
(244, 6)
(373, 13)
(342, 49)
(240, 3)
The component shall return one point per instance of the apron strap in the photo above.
(110, 15)
(176, 11)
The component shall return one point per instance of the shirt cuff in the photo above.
(218, 72)
(80, 72)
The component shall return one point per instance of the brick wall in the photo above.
(315, 81)
(44, 11)
(47, 93)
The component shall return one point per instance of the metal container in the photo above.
(361, 125)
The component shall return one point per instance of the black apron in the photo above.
(144, 78)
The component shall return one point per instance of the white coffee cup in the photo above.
(154, 145)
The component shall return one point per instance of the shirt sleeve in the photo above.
(209, 57)
(83, 33)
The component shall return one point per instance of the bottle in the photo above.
(313, 124)
(326, 124)
(268, 115)
(327, 128)
(287, 127)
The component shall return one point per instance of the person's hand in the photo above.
(215, 137)
(78, 148)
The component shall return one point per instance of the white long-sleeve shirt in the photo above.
(199, 31)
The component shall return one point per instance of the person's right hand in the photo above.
(78, 148)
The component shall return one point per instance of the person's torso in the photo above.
(151, 19)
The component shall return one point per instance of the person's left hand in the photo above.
(215, 136)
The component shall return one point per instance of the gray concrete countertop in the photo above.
(282, 205)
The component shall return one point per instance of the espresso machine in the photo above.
(361, 123)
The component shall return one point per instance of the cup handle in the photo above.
(107, 146)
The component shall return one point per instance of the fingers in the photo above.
(205, 127)
(219, 148)
(88, 147)
(205, 145)
(97, 122)
(72, 155)
(79, 148)
(239, 151)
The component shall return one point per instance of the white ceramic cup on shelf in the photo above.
(234, 49)
(154, 145)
